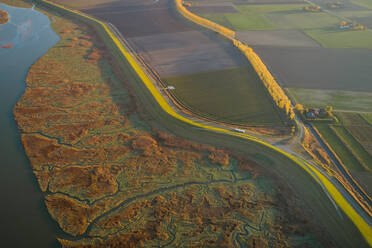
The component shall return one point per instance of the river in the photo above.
(24, 220)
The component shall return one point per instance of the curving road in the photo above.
(338, 197)
(220, 128)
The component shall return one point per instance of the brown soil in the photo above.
(139, 19)
(319, 68)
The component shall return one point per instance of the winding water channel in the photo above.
(24, 219)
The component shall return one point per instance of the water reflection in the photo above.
(24, 221)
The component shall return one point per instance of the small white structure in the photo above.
(239, 130)
(170, 87)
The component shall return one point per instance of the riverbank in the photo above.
(25, 222)
(112, 176)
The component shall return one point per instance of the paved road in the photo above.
(225, 129)
(265, 139)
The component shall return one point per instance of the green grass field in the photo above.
(351, 119)
(253, 17)
(363, 134)
(274, 16)
(302, 20)
(233, 95)
(359, 128)
(339, 147)
(249, 21)
(354, 14)
(320, 26)
(220, 19)
(340, 100)
(270, 8)
(367, 117)
(364, 3)
(337, 38)
(355, 147)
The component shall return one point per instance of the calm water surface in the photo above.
(24, 221)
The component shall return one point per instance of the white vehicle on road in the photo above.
(239, 130)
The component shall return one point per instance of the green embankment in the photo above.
(339, 147)
(349, 229)
(356, 133)
(367, 117)
(355, 147)
(233, 95)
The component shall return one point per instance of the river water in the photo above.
(24, 221)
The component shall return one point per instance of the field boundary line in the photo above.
(278, 95)
(366, 208)
(345, 143)
(364, 228)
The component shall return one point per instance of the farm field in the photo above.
(368, 118)
(339, 147)
(170, 55)
(220, 19)
(307, 50)
(290, 38)
(277, 17)
(172, 49)
(322, 26)
(319, 68)
(130, 166)
(351, 140)
(122, 14)
(363, 3)
(207, 93)
(336, 38)
(352, 144)
(122, 181)
(359, 128)
(339, 100)
(200, 10)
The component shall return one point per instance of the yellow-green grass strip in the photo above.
(363, 227)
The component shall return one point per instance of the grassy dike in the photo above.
(348, 233)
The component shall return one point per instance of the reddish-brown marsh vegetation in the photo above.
(4, 18)
(110, 180)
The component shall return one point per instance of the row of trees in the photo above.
(204, 22)
(277, 93)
